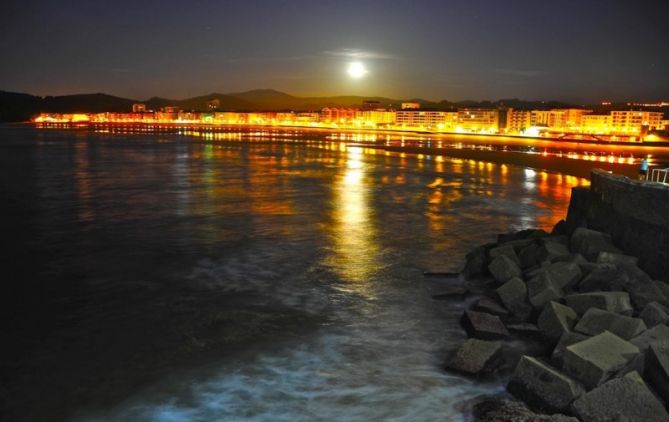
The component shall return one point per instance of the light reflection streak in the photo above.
(353, 232)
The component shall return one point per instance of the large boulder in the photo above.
(542, 386)
(603, 278)
(594, 360)
(506, 250)
(654, 314)
(618, 302)
(590, 243)
(541, 289)
(504, 268)
(657, 368)
(476, 356)
(555, 320)
(513, 295)
(596, 321)
(566, 340)
(657, 333)
(484, 326)
(620, 399)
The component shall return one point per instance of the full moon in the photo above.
(356, 70)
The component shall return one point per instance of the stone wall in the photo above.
(634, 213)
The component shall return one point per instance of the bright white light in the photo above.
(356, 70)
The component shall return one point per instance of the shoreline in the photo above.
(555, 162)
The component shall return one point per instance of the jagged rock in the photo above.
(594, 360)
(542, 386)
(476, 356)
(627, 397)
(504, 269)
(513, 295)
(506, 250)
(530, 256)
(564, 274)
(484, 326)
(603, 278)
(657, 368)
(654, 314)
(596, 321)
(567, 339)
(490, 306)
(541, 290)
(590, 243)
(657, 333)
(618, 302)
(555, 320)
(498, 409)
(616, 259)
(587, 267)
(476, 262)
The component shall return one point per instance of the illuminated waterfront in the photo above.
(157, 256)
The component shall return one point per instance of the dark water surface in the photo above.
(171, 278)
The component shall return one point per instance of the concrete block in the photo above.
(627, 398)
(596, 321)
(506, 250)
(657, 368)
(476, 356)
(594, 360)
(504, 269)
(567, 339)
(654, 314)
(542, 386)
(513, 295)
(590, 243)
(618, 302)
(657, 333)
(555, 320)
(484, 326)
(542, 290)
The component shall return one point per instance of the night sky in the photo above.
(581, 51)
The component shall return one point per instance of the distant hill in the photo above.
(22, 107)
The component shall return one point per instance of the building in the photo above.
(518, 120)
(632, 122)
(440, 120)
(138, 108)
(410, 106)
(478, 120)
(596, 123)
(338, 115)
(376, 117)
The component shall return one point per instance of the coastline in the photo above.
(580, 157)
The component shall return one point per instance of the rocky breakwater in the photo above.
(597, 322)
